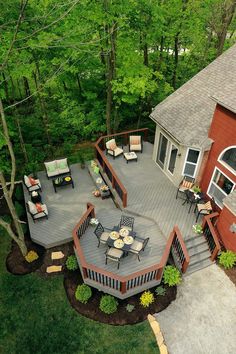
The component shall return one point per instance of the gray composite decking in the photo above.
(151, 196)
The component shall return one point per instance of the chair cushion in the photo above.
(135, 140)
(36, 186)
(114, 252)
(136, 246)
(51, 166)
(207, 206)
(136, 147)
(126, 227)
(32, 208)
(111, 144)
(27, 181)
(187, 184)
(118, 151)
(44, 211)
(104, 236)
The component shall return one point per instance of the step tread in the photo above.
(199, 258)
(195, 242)
(202, 247)
(198, 266)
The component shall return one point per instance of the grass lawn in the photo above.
(37, 318)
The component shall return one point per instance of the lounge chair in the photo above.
(35, 212)
(32, 184)
(112, 149)
(135, 143)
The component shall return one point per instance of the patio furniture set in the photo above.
(135, 145)
(120, 240)
(203, 206)
(60, 174)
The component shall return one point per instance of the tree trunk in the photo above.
(19, 88)
(5, 86)
(79, 84)
(19, 237)
(42, 105)
(227, 16)
(176, 59)
(10, 148)
(26, 86)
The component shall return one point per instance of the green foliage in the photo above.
(130, 307)
(160, 291)
(7, 218)
(171, 275)
(20, 210)
(227, 259)
(83, 293)
(19, 193)
(108, 304)
(71, 263)
(146, 299)
(31, 256)
(196, 189)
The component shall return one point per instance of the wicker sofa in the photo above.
(57, 168)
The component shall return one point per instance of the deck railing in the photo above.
(210, 234)
(124, 284)
(123, 139)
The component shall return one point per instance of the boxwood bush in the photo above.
(108, 304)
(83, 293)
(71, 263)
(227, 259)
(171, 275)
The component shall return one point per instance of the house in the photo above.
(196, 136)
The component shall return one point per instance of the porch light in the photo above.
(233, 228)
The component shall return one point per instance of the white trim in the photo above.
(168, 161)
(224, 163)
(211, 181)
(191, 163)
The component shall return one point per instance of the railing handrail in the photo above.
(123, 133)
(207, 220)
(175, 232)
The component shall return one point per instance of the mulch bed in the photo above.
(121, 317)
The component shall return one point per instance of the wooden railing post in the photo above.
(125, 200)
(159, 273)
(85, 273)
(123, 287)
(145, 134)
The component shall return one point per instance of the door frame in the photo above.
(169, 155)
(167, 147)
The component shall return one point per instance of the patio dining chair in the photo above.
(135, 143)
(126, 222)
(101, 234)
(203, 209)
(32, 184)
(186, 184)
(114, 255)
(112, 149)
(138, 245)
(37, 211)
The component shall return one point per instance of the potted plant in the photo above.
(196, 189)
(197, 228)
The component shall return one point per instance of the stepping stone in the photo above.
(57, 255)
(53, 269)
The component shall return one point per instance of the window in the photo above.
(191, 162)
(220, 187)
(229, 158)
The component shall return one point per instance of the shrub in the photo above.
(31, 256)
(160, 291)
(108, 304)
(196, 189)
(129, 307)
(83, 293)
(19, 209)
(19, 193)
(227, 259)
(172, 275)
(71, 263)
(146, 299)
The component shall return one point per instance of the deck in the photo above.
(152, 194)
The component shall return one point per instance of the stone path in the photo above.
(202, 319)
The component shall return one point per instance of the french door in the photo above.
(161, 152)
(172, 158)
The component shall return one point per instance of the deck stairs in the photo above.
(200, 256)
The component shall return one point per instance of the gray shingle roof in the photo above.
(230, 202)
(187, 113)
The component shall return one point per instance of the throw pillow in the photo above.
(51, 168)
(134, 140)
(39, 207)
(112, 146)
(32, 181)
(62, 165)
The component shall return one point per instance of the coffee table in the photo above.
(129, 156)
(62, 181)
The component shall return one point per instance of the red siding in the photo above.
(223, 134)
(226, 219)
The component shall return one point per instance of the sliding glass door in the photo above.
(161, 152)
(172, 158)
